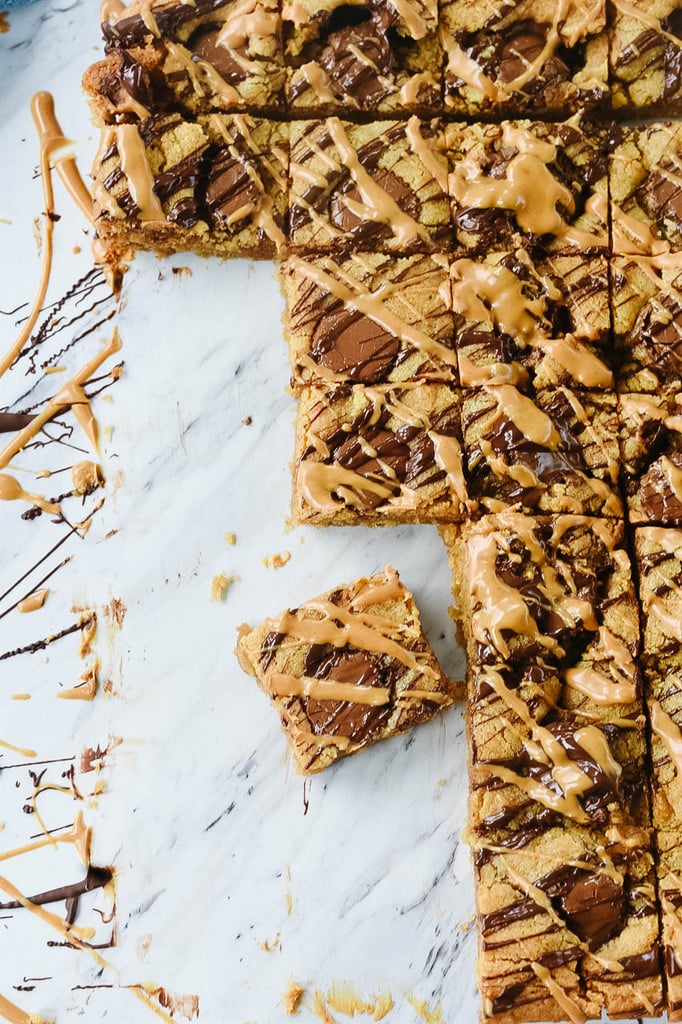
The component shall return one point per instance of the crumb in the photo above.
(441, 782)
(292, 998)
(179, 271)
(464, 926)
(54, 369)
(4, 22)
(231, 538)
(276, 561)
(220, 586)
(247, 421)
(76, 249)
(269, 947)
(108, 431)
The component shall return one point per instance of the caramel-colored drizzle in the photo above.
(600, 687)
(664, 539)
(280, 684)
(428, 156)
(138, 173)
(200, 71)
(33, 602)
(460, 65)
(11, 490)
(410, 90)
(320, 82)
(667, 730)
(559, 994)
(87, 690)
(416, 24)
(529, 189)
(53, 148)
(243, 22)
(15, 1015)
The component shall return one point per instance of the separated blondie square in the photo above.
(530, 57)
(646, 55)
(552, 451)
(645, 170)
(346, 669)
(669, 870)
(523, 183)
(647, 321)
(567, 925)
(369, 319)
(216, 187)
(379, 56)
(532, 319)
(377, 187)
(659, 562)
(199, 57)
(378, 456)
(651, 443)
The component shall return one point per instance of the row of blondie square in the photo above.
(484, 323)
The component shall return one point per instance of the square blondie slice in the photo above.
(199, 57)
(378, 456)
(532, 319)
(215, 187)
(645, 169)
(646, 56)
(346, 669)
(523, 183)
(555, 702)
(531, 57)
(369, 318)
(377, 187)
(378, 56)
(567, 925)
(651, 443)
(551, 451)
(647, 321)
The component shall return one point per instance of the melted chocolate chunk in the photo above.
(348, 342)
(357, 722)
(345, 219)
(359, 60)
(185, 175)
(231, 193)
(204, 44)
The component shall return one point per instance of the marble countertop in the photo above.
(233, 878)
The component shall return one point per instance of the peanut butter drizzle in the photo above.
(465, 67)
(673, 475)
(11, 490)
(415, 23)
(71, 395)
(370, 304)
(138, 173)
(320, 82)
(15, 1015)
(666, 729)
(342, 627)
(246, 21)
(560, 996)
(376, 205)
(280, 684)
(33, 602)
(52, 148)
(664, 538)
(598, 686)
(17, 750)
(531, 421)
(87, 690)
(78, 835)
(529, 188)
(668, 621)
(86, 476)
(420, 147)
(409, 91)
(201, 69)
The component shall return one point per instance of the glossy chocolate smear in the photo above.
(518, 48)
(204, 44)
(660, 503)
(359, 60)
(350, 343)
(356, 722)
(594, 905)
(231, 193)
(170, 19)
(183, 176)
(362, 227)
(662, 193)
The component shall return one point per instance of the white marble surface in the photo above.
(200, 813)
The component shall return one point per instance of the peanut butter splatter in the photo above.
(33, 602)
(269, 946)
(422, 1008)
(116, 611)
(292, 998)
(277, 560)
(86, 477)
(4, 22)
(220, 586)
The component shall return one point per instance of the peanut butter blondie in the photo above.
(646, 56)
(369, 318)
(651, 442)
(346, 669)
(379, 455)
(532, 56)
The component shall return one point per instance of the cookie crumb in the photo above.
(220, 586)
(231, 538)
(247, 421)
(276, 561)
